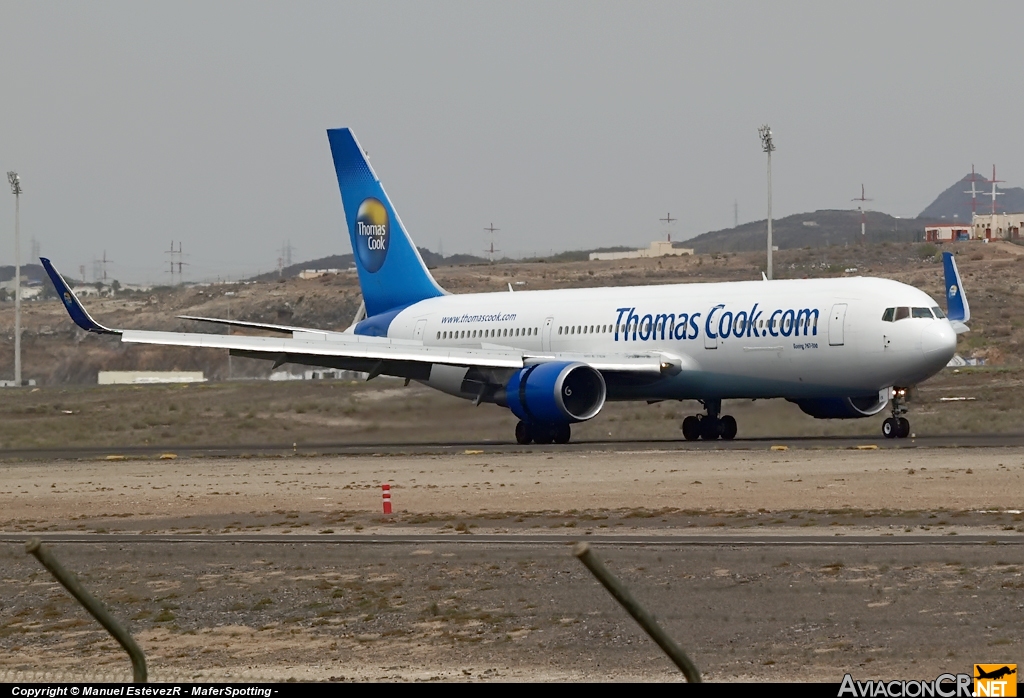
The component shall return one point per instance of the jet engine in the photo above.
(845, 407)
(555, 392)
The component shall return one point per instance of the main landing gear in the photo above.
(542, 433)
(897, 426)
(709, 426)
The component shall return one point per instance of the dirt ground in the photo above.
(456, 609)
(307, 413)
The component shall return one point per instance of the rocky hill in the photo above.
(954, 204)
(826, 228)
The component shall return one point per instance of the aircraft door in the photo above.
(710, 342)
(545, 337)
(836, 321)
(418, 332)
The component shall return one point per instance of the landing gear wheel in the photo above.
(691, 428)
(904, 428)
(563, 432)
(728, 428)
(890, 428)
(543, 434)
(523, 433)
(710, 428)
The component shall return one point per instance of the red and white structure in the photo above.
(386, 495)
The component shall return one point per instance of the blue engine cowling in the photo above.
(556, 392)
(845, 407)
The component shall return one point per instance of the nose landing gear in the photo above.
(710, 426)
(897, 426)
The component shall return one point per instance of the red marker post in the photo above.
(386, 493)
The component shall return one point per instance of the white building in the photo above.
(997, 226)
(148, 377)
(947, 232)
(658, 248)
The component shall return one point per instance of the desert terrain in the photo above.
(799, 563)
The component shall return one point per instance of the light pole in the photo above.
(15, 181)
(767, 146)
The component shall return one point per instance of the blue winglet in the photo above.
(71, 302)
(957, 308)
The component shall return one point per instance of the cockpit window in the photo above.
(922, 313)
(888, 314)
(937, 311)
(902, 313)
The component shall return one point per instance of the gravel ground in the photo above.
(451, 611)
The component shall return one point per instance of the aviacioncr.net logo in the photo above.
(372, 234)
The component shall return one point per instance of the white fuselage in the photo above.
(751, 339)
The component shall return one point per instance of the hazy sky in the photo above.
(567, 124)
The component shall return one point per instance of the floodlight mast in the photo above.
(15, 182)
(768, 146)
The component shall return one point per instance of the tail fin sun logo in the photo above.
(995, 680)
(372, 233)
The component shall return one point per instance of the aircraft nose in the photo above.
(938, 339)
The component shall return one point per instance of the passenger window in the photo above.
(937, 311)
(887, 316)
(902, 313)
(922, 313)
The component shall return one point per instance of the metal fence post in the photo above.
(639, 613)
(98, 611)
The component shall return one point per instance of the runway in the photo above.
(499, 448)
(528, 540)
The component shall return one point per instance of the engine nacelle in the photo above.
(556, 392)
(845, 407)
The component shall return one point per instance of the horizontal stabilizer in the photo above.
(287, 329)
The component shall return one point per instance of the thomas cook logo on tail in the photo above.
(953, 291)
(373, 233)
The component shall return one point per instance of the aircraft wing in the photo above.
(375, 355)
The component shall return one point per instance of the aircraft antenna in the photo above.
(490, 251)
(860, 207)
(768, 146)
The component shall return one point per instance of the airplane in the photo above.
(840, 348)
(996, 673)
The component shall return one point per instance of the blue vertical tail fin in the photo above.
(957, 308)
(392, 274)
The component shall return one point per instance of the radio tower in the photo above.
(99, 268)
(175, 260)
(490, 252)
(863, 217)
(668, 219)
(994, 193)
(974, 193)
